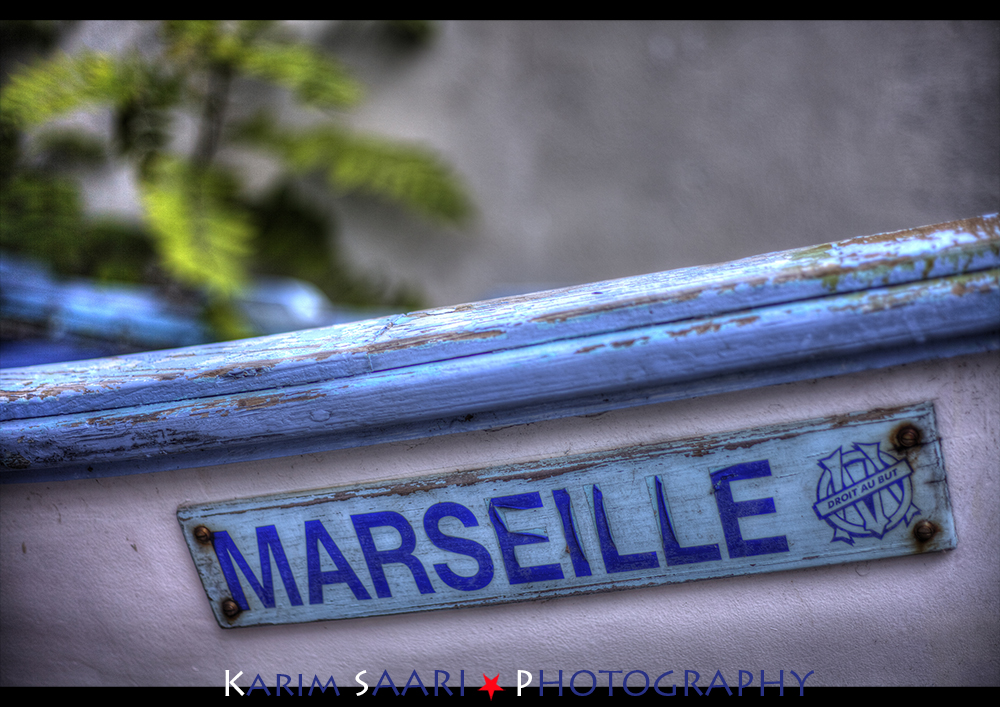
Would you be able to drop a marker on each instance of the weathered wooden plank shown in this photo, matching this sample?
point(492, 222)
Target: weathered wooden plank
point(841, 489)
point(164, 376)
point(575, 376)
point(853, 265)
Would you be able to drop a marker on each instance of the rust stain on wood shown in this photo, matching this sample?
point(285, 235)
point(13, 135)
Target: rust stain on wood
point(627, 342)
point(244, 369)
point(131, 418)
point(714, 325)
point(256, 402)
point(437, 338)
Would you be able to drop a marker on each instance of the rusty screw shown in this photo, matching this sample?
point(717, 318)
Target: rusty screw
point(924, 531)
point(230, 608)
point(203, 535)
point(907, 437)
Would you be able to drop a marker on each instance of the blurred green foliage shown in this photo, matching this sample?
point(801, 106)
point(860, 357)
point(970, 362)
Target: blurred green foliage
point(201, 232)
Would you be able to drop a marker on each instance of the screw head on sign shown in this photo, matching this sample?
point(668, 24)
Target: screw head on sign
point(202, 534)
point(909, 436)
point(924, 531)
point(230, 608)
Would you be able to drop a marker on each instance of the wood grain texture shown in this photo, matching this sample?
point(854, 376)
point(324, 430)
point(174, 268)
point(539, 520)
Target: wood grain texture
point(865, 302)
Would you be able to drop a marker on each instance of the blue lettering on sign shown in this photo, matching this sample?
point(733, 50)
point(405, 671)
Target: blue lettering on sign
point(462, 546)
point(581, 567)
point(614, 561)
point(508, 540)
point(721, 505)
point(375, 558)
point(316, 536)
point(267, 540)
point(677, 555)
point(731, 511)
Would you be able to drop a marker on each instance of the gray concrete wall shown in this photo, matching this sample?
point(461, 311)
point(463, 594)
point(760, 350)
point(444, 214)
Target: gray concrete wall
point(603, 149)
point(597, 150)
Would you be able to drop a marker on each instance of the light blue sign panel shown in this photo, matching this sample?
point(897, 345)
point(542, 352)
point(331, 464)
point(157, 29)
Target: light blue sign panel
point(842, 489)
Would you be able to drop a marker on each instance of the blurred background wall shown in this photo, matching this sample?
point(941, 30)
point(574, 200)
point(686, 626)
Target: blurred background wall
point(596, 150)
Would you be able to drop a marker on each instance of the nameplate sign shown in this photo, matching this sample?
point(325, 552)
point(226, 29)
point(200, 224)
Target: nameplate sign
point(841, 489)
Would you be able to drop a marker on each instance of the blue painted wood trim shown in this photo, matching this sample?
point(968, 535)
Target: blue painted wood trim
point(861, 303)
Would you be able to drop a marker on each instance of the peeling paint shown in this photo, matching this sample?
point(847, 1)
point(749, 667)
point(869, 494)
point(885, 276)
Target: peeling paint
point(931, 291)
point(417, 341)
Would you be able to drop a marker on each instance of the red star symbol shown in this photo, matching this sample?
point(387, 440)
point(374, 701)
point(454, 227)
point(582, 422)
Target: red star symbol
point(491, 685)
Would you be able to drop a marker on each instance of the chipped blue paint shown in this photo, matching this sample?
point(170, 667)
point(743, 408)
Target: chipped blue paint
point(783, 497)
point(861, 303)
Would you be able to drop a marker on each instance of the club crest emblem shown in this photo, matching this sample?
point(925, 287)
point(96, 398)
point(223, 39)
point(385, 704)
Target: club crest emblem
point(864, 492)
